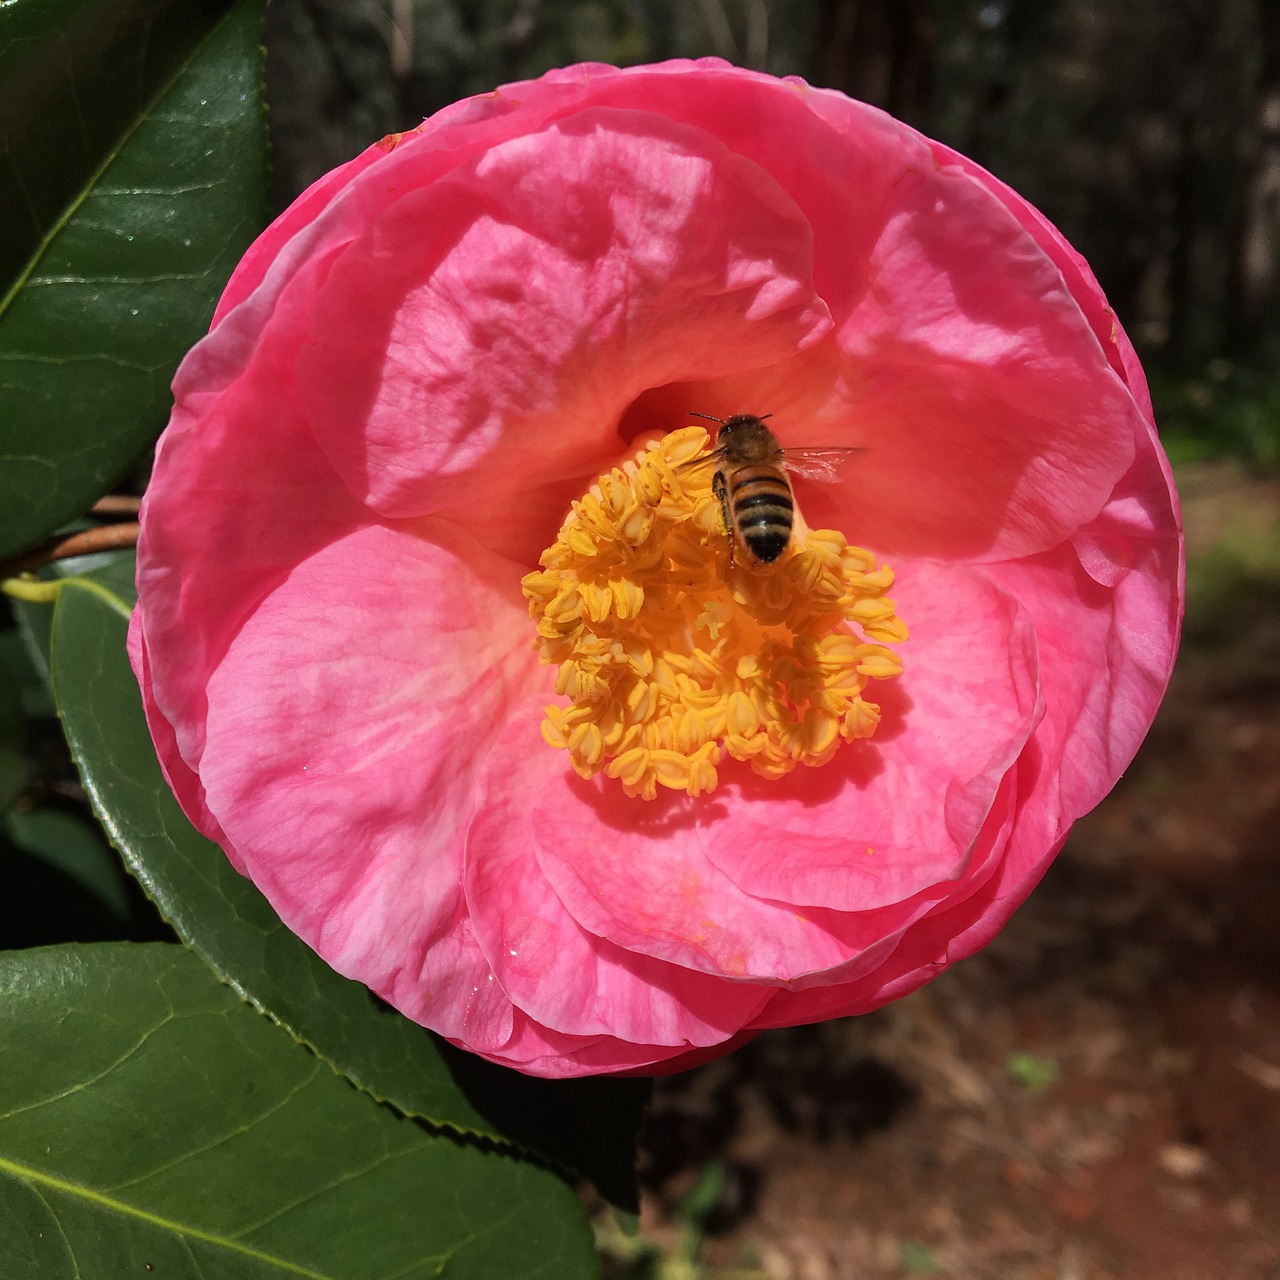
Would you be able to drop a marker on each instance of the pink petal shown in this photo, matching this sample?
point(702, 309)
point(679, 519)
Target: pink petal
point(538, 1051)
point(239, 494)
point(1108, 648)
point(557, 973)
point(912, 800)
point(530, 275)
point(342, 763)
point(961, 358)
point(953, 931)
point(695, 882)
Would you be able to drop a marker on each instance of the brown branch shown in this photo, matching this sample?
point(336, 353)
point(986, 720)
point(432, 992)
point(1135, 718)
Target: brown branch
point(107, 537)
point(116, 504)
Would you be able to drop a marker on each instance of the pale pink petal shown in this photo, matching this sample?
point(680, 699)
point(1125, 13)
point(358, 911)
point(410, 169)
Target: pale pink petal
point(558, 974)
point(961, 359)
point(421, 363)
point(747, 883)
point(238, 494)
point(489, 329)
point(342, 762)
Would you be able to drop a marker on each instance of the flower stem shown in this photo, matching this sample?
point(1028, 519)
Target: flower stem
point(107, 537)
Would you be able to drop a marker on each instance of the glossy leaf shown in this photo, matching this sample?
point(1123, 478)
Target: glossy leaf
point(35, 621)
point(152, 1122)
point(589, 1125)
point(132, 176)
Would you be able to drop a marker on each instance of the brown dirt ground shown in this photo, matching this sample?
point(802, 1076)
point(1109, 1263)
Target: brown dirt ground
point(1144, 971)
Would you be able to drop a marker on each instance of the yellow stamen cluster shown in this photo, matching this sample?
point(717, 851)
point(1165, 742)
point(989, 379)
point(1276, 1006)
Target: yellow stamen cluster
point(670, 658)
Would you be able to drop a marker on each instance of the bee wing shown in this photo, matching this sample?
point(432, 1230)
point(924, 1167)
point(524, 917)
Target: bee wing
point(821, 463)
point(694, 465)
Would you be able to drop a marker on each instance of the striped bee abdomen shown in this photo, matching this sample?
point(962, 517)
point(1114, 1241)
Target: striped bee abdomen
point(763, 510)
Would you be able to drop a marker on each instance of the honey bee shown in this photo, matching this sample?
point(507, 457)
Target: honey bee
point(751, 485)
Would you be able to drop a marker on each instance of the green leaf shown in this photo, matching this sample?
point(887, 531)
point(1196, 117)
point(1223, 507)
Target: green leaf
point(132, 176)
point(151, 1122)
point(589, 1125)
point(112, 570)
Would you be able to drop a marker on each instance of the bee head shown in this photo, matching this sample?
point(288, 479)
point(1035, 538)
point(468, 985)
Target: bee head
point(735, 422)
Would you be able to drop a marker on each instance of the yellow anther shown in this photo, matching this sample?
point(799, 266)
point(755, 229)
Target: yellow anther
point(586, 744)
point(878, 663)
point(671, 660)
point(860, 721)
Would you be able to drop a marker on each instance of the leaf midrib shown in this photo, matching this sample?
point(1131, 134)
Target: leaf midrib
point(37, 1177)
point(95, 177)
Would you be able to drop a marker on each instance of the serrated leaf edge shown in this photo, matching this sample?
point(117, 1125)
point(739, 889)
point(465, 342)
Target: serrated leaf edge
point(499, 1142)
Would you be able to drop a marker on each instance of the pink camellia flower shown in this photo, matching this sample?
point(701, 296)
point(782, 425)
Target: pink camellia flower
point(437, 628)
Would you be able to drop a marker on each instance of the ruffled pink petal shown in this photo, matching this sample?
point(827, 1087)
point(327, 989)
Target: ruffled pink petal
point(1075, 271)
point(239, 494)
point(489, 329)
point(953, 931)
point(183, 781)
point(922, 788)
point(949, 314)
point(692, 881)
point(561, 976)
point(538, 1051)
point(341, 759)
point(1094, 725)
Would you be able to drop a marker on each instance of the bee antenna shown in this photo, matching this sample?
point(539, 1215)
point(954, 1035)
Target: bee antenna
point(763, 416)
point(693, 413)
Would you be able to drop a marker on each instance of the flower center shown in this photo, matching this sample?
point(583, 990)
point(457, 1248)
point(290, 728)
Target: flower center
point(670, 656)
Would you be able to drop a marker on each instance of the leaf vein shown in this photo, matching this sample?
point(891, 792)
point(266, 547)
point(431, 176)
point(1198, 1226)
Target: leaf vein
point(182, 190)
point(57, 1222)
point(221, 1139)
point(316, 1192)
point(81, 1085)
point(32, 357)
point(147, 113)
point(36, 1176)
point(129, 280)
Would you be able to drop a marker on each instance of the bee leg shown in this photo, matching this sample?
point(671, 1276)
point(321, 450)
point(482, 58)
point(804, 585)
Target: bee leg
point(720, 487)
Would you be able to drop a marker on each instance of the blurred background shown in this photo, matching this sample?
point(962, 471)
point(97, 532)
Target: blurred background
point(1096, 1096)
